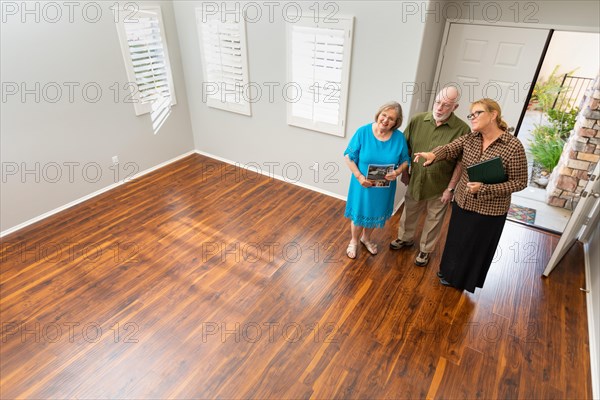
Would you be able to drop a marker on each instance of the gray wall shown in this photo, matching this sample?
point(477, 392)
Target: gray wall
point(393, 50)
point(45, 135)
point(434, 24)
point(385, 56)
point(396, 62)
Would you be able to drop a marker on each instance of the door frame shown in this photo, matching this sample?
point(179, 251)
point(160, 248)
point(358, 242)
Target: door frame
point(579, 224)
point(526, 25)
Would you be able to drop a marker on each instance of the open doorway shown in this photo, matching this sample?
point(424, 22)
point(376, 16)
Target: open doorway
point(500, 62)
point(561, 95)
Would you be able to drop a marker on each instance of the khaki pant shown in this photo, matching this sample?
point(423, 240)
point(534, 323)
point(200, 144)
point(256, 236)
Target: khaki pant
point(433, 221)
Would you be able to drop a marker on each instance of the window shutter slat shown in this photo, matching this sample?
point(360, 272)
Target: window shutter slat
point(318, 61)
point(144, 48)
point(148, 58)
point(224, 61)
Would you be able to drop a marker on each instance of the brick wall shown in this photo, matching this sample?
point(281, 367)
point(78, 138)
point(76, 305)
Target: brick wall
point(580, 154)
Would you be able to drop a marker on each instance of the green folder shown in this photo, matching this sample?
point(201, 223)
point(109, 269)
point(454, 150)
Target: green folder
point(489, 171)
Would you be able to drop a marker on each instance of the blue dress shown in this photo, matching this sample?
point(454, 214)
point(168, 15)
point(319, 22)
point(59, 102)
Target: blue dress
point(372, 207)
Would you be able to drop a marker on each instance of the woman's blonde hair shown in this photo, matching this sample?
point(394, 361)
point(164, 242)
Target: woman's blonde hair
point(491, 105)
point(392, 105)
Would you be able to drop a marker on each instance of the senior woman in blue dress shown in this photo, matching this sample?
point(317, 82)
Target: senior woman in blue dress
point(370, 206)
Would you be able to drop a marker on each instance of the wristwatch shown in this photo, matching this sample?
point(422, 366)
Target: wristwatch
point(451, 190)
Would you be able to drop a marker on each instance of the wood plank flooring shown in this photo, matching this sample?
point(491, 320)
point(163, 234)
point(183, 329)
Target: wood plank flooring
point(200, 281)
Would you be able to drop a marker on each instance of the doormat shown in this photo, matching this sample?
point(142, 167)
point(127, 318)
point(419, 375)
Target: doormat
point(522, 214)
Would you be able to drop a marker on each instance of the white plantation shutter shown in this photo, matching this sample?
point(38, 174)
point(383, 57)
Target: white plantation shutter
point(148, 58)
point(317, 57)
point(318, 67)
point(225, 65)
point(144, 48)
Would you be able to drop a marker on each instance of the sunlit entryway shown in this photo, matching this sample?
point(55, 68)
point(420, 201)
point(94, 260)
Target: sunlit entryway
point(559, 100)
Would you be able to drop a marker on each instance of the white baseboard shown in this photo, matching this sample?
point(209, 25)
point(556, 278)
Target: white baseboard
point(279, 177)
point(397, 206)
point(154, 168)
point(593, 335)
point(91, 195)
point(270, 175)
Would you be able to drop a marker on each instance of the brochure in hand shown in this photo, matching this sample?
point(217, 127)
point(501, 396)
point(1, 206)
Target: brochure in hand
point(377, 172)
point(489, 171)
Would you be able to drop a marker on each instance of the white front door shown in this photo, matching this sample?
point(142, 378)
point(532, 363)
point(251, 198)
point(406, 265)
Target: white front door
point(579, 224)
point(491, 61)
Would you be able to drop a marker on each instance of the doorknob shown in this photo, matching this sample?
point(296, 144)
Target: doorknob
point(592, 193)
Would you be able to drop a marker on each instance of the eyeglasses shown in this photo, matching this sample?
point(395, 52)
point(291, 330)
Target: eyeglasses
point(475, 114)
point(443, 105)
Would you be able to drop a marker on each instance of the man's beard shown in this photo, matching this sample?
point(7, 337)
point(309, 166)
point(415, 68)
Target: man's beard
point(443, 118)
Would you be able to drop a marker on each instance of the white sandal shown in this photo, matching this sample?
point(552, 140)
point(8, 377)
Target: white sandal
point(371, 247)
point(351, 250)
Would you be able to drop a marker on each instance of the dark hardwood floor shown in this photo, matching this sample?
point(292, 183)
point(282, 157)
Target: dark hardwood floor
point(198, 282)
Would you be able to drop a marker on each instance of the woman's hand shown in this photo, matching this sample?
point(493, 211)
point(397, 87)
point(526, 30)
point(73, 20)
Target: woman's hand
point(401, 170)
point(429, 157)
point(391, 176)
point(473, 187)
point(364, 182)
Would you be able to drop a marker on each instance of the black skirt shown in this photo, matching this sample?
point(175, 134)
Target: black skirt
point(470, 247)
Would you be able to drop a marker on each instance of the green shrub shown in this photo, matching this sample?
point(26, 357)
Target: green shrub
point(548, 92)
point(564, 121)
point(546, 146)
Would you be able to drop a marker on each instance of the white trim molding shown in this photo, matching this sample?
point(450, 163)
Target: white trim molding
point(271, 175)
point(91, 195)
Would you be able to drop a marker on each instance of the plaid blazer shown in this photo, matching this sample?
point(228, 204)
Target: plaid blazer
point(490, 199)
